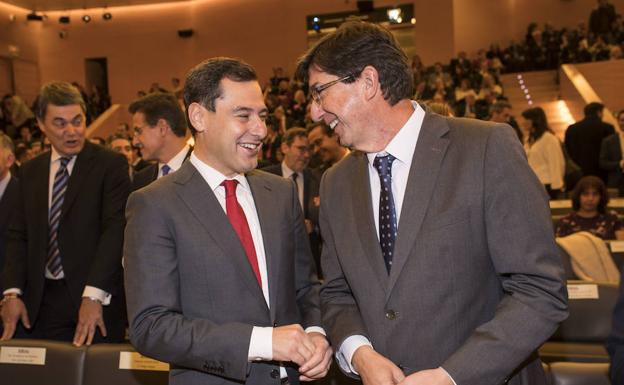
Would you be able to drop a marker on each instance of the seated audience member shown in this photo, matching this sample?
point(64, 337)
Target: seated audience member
point(589, 202)
point(326, 145)
point(122, 145)
point(500, 112)
point(439, 108)
point(470, 107)
point(16, 113)
point(611, 156)
point(543, 150)
point(8, 192)
point(62, 277)
point(160, 133)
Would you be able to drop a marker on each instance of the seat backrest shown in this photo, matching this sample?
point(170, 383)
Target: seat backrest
point(577, 373)
point(590, 318)
point(27, 362)
point(120, 364)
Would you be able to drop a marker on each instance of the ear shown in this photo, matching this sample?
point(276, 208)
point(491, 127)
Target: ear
point(41, 125)
point(284, 147)
point(196, 116)
point(163, 126)
point(370, 77)
point(10, 159)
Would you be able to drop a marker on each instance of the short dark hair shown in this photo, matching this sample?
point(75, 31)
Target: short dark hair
point(203, 82)
point(114, 137)
point(586, 183)
point(537, 116)
point(160, 105)
point(355, 45)
point(59, 94)
point(292, 133)
point(592, 109)
point(499, 106)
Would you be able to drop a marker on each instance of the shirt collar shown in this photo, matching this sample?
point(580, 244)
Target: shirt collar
point(213, 177)
point(54, 156)
point(403, 145)
point(287, 171)
point(176, 162)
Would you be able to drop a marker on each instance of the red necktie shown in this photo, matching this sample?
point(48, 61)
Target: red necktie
point(237, 218)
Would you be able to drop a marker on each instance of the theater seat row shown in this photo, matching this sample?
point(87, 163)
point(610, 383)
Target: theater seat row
point(27, 362)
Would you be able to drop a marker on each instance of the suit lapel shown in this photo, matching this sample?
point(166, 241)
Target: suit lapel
point(203, 203)
point(84, 163)
point(430, 150)
point(306, 192)
point(268, 217)
point(41, 181)
point(365, 221)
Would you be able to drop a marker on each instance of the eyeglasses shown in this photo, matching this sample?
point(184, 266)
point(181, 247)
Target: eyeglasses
point(315, 91)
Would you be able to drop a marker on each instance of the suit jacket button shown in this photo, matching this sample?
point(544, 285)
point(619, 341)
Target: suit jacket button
point(391, 314)
point(275, 373)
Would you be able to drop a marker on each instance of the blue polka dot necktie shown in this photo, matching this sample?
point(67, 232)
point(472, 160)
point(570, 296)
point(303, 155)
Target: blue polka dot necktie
point(165, 169)
point(387, 212)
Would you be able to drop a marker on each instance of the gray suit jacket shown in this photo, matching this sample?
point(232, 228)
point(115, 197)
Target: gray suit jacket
point(476, 283)
point(192, 295)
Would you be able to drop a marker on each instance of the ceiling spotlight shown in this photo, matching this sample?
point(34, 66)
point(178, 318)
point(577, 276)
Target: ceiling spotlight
point(86, 18)
point(107, 16)
point(64, 20)
point(33, 16)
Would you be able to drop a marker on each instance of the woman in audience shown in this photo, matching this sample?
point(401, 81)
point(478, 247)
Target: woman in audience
point(543, 150)
point(589, 202)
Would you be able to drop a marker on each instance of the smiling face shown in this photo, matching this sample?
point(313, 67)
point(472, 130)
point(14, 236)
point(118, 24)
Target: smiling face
point(339, 107)
point(64, 126)
point(230, 138)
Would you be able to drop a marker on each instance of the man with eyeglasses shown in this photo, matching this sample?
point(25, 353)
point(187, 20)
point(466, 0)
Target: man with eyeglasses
point(439, 260)
point(296, 150)
point(62, 274)
point(160, 133)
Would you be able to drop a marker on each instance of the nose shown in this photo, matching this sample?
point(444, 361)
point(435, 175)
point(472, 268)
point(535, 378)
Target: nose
point(316, 111)
point(259, 128)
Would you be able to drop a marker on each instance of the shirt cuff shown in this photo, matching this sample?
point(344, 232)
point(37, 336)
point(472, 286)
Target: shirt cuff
point(94, 292)
point(316, 329)
point(261, 344)
point(344, 355)
point(449, 376)
point(12, 290)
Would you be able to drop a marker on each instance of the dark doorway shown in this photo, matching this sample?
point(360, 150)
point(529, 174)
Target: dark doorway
point(96, 70)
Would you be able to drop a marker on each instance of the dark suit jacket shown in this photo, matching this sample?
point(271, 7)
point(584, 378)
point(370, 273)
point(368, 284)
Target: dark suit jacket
point(149, 173)
point(476, 284)
point(7, 206)
point(310, 190)
point(90, 229)
point(615, 342)
point(583, 140)
point(610, 158)
point(193, 298)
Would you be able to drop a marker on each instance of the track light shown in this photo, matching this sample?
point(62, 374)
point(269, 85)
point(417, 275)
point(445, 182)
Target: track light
point(86, 18)
point(64, 20)
point(33, 16)
point(107, 16)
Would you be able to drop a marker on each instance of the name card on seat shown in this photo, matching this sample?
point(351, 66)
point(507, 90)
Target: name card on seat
point(22, 355)
point(584, 291)
point(136, 361)
point(560, 204)
point(617, 246)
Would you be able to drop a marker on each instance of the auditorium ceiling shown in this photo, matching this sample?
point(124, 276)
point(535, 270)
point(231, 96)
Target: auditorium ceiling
point(63, 5)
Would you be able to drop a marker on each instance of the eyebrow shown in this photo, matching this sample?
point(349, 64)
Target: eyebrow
point(249, 110)
point(61, 118)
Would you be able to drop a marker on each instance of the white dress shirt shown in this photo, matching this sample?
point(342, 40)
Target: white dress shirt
point(174, 163)
point(545, 157)
point(4, 183)
point(261, 344)
point(402, 147)
point(287, 173)
point(89, 291)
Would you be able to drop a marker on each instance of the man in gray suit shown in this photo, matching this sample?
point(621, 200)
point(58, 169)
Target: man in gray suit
point(448, 271)
point(219, 275)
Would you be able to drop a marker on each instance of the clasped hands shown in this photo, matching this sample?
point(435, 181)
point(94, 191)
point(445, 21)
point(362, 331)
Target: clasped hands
point(311, 351)
point(375, 369)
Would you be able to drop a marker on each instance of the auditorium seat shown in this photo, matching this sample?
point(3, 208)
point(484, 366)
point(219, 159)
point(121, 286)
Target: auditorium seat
point(575, 373)
point(582, 336)
point(60, 363)
point(103, 361)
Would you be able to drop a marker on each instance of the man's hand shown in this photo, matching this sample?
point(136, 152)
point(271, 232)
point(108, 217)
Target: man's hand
point(12, 311)
point(309, 226)
point(375, 369)
point(89, 316)
point(428, 377)
point(292, 344)
point(317, 366)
